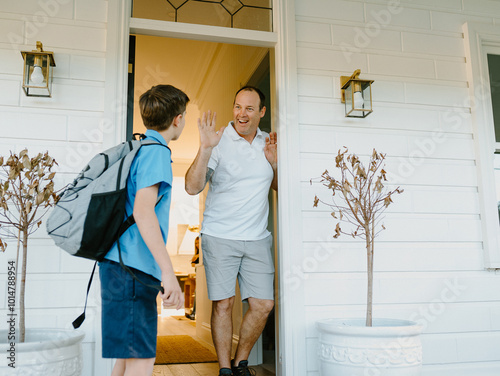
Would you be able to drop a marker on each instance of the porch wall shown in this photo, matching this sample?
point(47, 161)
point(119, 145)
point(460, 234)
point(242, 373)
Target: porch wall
point(429, 262)
point(69, 126)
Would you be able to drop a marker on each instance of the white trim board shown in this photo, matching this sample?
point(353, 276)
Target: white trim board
point(206, 33)
point(476, 38)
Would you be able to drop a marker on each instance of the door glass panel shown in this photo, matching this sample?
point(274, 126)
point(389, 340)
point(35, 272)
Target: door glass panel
point(153, 10)
point(241, 14)
point(494, 70)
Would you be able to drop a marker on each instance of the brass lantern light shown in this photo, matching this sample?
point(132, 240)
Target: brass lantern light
point(357, 95)
point(37, 76)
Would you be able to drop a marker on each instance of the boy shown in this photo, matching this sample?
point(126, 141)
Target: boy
point(129, 313)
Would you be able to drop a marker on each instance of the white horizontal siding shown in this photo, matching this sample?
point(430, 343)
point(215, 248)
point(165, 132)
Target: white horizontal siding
point(451, 5)
point(414, 171)
point(415, 199)
point(58, 8)
point(414, 18)
point(435, 144)
point(337, 10)
point(343, 256)
point(70, 126)
point(442, 21)
point(401, 288)
point(421, 119)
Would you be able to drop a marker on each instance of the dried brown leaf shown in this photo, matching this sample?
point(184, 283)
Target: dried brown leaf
point(316, 200)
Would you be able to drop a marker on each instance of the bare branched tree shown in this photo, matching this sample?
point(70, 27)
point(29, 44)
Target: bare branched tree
point(26, 191)
point(359, 197)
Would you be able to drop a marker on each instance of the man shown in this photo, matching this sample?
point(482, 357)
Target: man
point(240, 161)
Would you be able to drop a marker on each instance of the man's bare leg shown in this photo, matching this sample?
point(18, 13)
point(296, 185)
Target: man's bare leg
point(252, 326)
point(222, 330)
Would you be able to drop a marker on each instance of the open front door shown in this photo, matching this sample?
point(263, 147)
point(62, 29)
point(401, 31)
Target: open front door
point(210, 73)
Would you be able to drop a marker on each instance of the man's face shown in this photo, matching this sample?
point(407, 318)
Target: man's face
point(246, 113)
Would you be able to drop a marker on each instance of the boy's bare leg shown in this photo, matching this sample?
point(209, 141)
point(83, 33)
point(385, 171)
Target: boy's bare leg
point(119, 368)
point(252, 326)
point(139, 367)
point(133, 367)
point(222, 330)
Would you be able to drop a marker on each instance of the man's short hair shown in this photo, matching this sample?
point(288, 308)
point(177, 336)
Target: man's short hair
point(160, 105)
point(262, 97)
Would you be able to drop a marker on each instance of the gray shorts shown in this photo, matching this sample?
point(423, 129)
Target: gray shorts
point(249, 260)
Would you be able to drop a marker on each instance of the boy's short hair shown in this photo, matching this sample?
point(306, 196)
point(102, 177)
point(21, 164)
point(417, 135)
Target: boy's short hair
point(160, 105)
point(262, 97)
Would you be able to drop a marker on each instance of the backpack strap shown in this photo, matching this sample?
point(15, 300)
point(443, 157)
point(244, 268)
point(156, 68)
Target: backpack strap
point(129, 271)
point(124, 227)
point(80, 319)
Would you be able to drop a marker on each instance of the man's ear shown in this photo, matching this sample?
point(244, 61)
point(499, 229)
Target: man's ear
point(263, 112)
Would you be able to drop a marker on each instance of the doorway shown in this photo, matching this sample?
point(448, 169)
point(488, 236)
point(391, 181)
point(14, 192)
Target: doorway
point(210, 73)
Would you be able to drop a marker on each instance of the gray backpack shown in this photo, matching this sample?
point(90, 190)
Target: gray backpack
point(90, 214)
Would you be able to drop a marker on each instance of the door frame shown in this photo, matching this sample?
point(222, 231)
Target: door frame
point(282, 44)
point(477, 38)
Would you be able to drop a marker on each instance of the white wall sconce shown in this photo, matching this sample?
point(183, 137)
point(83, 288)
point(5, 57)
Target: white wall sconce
point(357, 95)
point(38, 72)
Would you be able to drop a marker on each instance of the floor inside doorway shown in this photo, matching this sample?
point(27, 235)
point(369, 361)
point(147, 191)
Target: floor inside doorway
point(182, 326)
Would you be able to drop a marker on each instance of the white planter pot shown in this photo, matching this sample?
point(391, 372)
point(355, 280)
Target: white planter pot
point(389, 348)
point(54, 352)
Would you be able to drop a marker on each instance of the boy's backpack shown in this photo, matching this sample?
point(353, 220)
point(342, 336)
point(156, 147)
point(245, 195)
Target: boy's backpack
point(90, 214)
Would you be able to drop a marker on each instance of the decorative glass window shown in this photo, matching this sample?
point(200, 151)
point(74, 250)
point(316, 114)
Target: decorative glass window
point(240, 14)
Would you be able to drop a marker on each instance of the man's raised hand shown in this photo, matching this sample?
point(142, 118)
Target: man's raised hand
point(209, 138)
point(271, 149)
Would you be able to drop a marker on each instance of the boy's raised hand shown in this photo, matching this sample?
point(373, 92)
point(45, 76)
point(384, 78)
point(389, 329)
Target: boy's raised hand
point(209, 138)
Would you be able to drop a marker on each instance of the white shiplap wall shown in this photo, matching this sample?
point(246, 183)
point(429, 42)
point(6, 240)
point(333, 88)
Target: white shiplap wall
point(433, 243)
point(67, 125)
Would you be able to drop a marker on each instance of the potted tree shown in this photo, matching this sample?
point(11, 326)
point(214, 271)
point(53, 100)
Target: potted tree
point(26, 192)
point(361, 347)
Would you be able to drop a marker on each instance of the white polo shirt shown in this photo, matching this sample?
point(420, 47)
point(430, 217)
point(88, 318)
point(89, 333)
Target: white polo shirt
point(237, 203)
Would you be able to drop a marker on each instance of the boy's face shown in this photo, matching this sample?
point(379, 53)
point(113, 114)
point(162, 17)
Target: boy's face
point(246, 113)
point(180, 123)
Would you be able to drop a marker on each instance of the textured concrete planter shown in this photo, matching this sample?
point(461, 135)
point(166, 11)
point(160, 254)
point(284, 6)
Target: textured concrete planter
point(389, 348)
point(54, 352)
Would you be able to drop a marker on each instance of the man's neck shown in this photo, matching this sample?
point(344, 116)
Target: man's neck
point(249, 138)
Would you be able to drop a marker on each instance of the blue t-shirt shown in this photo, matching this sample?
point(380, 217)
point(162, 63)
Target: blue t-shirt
point(151, 166)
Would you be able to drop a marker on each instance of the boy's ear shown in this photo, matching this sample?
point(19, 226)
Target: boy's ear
point(177, 120)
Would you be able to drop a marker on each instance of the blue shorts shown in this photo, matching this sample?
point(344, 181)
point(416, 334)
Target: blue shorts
point(129, 313)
